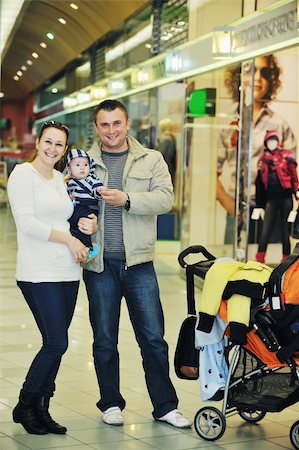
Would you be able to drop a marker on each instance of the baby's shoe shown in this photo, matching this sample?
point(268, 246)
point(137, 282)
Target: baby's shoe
point(93, 253)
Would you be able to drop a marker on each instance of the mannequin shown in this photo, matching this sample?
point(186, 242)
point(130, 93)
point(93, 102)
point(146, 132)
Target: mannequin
point(276, 183)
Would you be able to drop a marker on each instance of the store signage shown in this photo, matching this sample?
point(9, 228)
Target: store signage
point(140, 76)
point(173, 62)
point(279, 23)
point(159, 69)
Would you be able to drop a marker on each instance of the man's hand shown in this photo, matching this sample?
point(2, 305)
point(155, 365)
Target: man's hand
point(88, 225)
point(114, 197)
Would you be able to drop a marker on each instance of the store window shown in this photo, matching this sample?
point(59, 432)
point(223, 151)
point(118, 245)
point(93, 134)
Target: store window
point(51, 94)
point(272, 85)
point(222, 148)
point(130, 44)
point(157, 118)
point(210, 111)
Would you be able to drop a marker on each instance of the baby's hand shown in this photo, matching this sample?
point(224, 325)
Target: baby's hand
point(99, 189)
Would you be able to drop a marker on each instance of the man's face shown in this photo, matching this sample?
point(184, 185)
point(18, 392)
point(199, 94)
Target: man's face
point(261, 78)
point(112, 128)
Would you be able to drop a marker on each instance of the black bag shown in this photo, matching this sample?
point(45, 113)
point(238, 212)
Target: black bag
point(186, 358)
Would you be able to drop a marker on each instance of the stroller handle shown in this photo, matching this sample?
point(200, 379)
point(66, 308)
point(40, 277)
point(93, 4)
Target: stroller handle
point(194, 249)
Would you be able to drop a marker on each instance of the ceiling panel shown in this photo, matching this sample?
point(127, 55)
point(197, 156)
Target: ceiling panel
point(89, 22)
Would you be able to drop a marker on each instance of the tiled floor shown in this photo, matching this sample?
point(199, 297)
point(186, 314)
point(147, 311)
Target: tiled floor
point(77, 390)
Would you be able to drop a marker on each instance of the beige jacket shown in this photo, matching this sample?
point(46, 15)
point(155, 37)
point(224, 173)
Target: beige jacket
point(148, 184)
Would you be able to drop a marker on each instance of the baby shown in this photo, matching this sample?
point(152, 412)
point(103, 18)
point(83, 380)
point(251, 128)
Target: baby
point(84, 189)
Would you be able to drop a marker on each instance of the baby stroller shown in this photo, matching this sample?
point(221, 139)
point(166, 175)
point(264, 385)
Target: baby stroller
point(262, 362)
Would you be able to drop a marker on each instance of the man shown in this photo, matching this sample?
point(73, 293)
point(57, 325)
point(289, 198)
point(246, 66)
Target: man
point(137, 188)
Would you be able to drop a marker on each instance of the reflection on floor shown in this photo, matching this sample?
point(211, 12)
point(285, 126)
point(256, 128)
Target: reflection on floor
point(77, 392)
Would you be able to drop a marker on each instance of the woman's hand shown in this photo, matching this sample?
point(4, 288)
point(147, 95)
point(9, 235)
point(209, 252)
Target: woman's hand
point(88, 225)
point(79, 250)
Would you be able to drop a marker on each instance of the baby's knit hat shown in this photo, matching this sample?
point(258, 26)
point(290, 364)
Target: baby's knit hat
point(78, 153)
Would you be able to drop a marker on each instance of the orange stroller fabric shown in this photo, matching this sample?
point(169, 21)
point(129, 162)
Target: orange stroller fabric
point(258, 348)
point(290, 286)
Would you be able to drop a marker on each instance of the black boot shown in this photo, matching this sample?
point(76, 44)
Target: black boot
point(42, 412)
point(24, 413)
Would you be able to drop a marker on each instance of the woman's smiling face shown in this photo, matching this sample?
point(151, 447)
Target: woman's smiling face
point(261, 78)
point(51, 146)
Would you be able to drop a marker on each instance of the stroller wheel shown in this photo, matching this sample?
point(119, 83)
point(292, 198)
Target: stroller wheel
point(209, 423)
point(294, 434)
point(251, 415)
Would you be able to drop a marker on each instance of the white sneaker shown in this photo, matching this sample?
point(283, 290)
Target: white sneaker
point(175, 419)
point(113, 416)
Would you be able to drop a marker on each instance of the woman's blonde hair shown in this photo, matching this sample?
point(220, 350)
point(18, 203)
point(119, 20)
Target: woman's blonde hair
point(166, 126)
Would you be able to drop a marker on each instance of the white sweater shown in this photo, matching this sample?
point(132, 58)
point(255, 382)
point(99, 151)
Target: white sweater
point(38, 205)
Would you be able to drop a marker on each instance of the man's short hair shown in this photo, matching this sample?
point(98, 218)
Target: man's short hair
point(110, 105)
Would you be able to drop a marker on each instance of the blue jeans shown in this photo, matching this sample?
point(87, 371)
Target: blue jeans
point(52, 305)
point(138, 285)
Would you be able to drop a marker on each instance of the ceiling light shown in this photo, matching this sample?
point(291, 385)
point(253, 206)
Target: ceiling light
point(83, 97)
point(16, 78)
point(68, 102)
point(222, 42)
point(19, 73)
point(99, 92)
point(84, 68)
point(43, 45)
point(148, 45)
point(1, 94)
point(24, 68)
point(50, 36)
point(35, 55)
point(54, 90)
point(72, 5)
point(29, 62)
point(61, 20)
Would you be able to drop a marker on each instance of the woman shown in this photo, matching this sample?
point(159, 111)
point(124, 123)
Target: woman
point(48, 269)
point(167, 145)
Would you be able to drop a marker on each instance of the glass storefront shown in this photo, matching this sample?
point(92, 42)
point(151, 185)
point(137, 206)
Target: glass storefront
point(218, 119)
point(222, 149)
